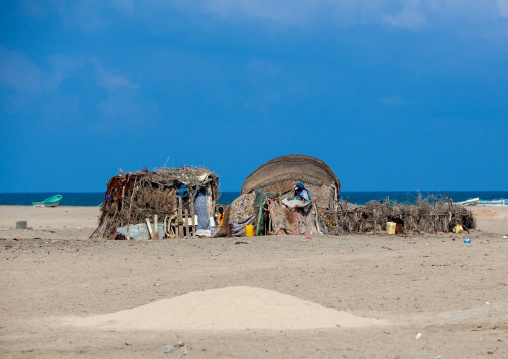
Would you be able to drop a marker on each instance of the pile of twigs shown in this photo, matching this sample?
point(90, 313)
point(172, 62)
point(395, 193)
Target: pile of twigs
point(428, 215)
point(191, 176)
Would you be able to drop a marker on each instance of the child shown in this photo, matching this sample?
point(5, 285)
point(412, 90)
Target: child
point(221, 216)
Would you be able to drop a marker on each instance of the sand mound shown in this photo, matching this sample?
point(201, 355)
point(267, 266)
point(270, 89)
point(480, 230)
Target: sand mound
point(228, 308)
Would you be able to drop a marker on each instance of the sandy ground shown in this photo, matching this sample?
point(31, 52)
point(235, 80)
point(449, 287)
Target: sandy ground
point(454, 294)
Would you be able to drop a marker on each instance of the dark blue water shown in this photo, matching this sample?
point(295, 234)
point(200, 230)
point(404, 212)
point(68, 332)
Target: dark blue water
point(410, 197)
point(95, 199)
point(68, 199)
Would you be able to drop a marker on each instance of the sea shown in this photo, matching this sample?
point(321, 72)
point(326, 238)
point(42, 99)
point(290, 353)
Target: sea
point(95, 199)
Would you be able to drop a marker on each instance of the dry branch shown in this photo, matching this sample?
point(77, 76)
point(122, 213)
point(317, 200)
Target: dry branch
point(428, 215)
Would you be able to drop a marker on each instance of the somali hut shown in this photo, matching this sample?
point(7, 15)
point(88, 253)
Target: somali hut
point(266, 200)
point(179, 201)
point(280, 175)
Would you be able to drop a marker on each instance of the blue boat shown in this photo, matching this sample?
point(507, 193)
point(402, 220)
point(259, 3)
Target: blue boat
point(52, 201)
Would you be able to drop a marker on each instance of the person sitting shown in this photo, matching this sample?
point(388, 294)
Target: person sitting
point(301, 193)
point(221, 216)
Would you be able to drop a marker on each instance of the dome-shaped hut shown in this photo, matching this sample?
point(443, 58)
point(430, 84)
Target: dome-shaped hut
point(281, 174)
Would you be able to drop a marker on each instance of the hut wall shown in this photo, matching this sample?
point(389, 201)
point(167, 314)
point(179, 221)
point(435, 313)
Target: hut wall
point(324, 195)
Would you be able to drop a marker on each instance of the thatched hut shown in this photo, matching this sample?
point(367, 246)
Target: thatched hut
point(266, 201)
point(280, 175)
point(180, 200)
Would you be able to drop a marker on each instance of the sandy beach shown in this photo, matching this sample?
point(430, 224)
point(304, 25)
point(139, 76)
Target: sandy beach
point(391, 296)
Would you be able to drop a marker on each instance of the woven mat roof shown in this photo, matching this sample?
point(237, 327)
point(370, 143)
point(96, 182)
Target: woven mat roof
point(301, 168)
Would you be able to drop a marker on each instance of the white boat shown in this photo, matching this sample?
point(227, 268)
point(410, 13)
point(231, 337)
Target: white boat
point(493, 202)
point(469, 202)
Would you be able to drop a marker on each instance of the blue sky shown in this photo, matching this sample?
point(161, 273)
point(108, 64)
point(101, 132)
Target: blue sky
point(392, 94)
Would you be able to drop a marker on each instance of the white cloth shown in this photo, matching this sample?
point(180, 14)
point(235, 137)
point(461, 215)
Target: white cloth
point(291, 203)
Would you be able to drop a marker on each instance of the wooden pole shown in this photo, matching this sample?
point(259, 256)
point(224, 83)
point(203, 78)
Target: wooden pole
point(165, 226)
point(180, 226)
point(449, 200)
point(186, 225)
point(270, 223)
point(149, 228)
point(357, 226)
point(337, 220)
point(172, 233)
point(193, 222)
point(375, 224)
point(130, 206)
point(156, 225)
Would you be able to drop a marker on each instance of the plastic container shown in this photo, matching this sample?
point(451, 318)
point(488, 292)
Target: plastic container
point(390, 227)
point(249, 230)
point(213, 229)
